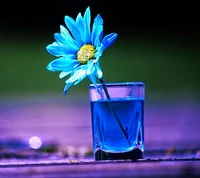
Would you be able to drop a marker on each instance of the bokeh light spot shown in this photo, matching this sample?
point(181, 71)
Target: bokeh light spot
point(35, 142)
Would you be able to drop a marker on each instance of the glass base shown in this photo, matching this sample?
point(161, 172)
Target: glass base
point(132, 155)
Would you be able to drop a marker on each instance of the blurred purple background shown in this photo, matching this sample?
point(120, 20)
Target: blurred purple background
point(158, 44)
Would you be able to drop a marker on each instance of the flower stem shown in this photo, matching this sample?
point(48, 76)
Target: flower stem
point(113, 110)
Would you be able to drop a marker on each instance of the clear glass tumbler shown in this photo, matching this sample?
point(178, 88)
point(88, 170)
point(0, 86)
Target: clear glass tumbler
point(117, 114)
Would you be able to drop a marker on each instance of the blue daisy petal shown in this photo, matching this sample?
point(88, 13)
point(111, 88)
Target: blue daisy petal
point(67, 87)
point(99, 36)
point(108, 40)
point(65, 33)
point(81, 26)
point(82, 74)
point(87, 19)
point(64, 74)
point(90, 68)
point(98, 22)
point(62, 64)
point(58, 49)
point(60, 39)
point(98, 71)
point(98, 54)
point(93, 80)
point(72, 26)
point(78, 75)
point(82, 29)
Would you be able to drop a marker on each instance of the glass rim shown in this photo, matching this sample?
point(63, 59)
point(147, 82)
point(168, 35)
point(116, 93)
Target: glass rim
point(118, 84)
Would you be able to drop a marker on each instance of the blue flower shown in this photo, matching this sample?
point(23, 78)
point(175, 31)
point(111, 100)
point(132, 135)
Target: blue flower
point(79, 48)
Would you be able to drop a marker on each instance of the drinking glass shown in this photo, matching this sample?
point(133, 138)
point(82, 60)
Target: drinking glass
point(117, 115)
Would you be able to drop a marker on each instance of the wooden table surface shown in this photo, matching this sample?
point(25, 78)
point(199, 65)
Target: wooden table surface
point(148, 167)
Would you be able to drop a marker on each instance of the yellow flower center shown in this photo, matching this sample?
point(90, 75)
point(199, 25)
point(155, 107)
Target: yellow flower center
point(85, 53)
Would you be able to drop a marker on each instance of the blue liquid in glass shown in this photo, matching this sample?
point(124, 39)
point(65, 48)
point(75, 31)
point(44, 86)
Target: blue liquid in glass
point(108, 138)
